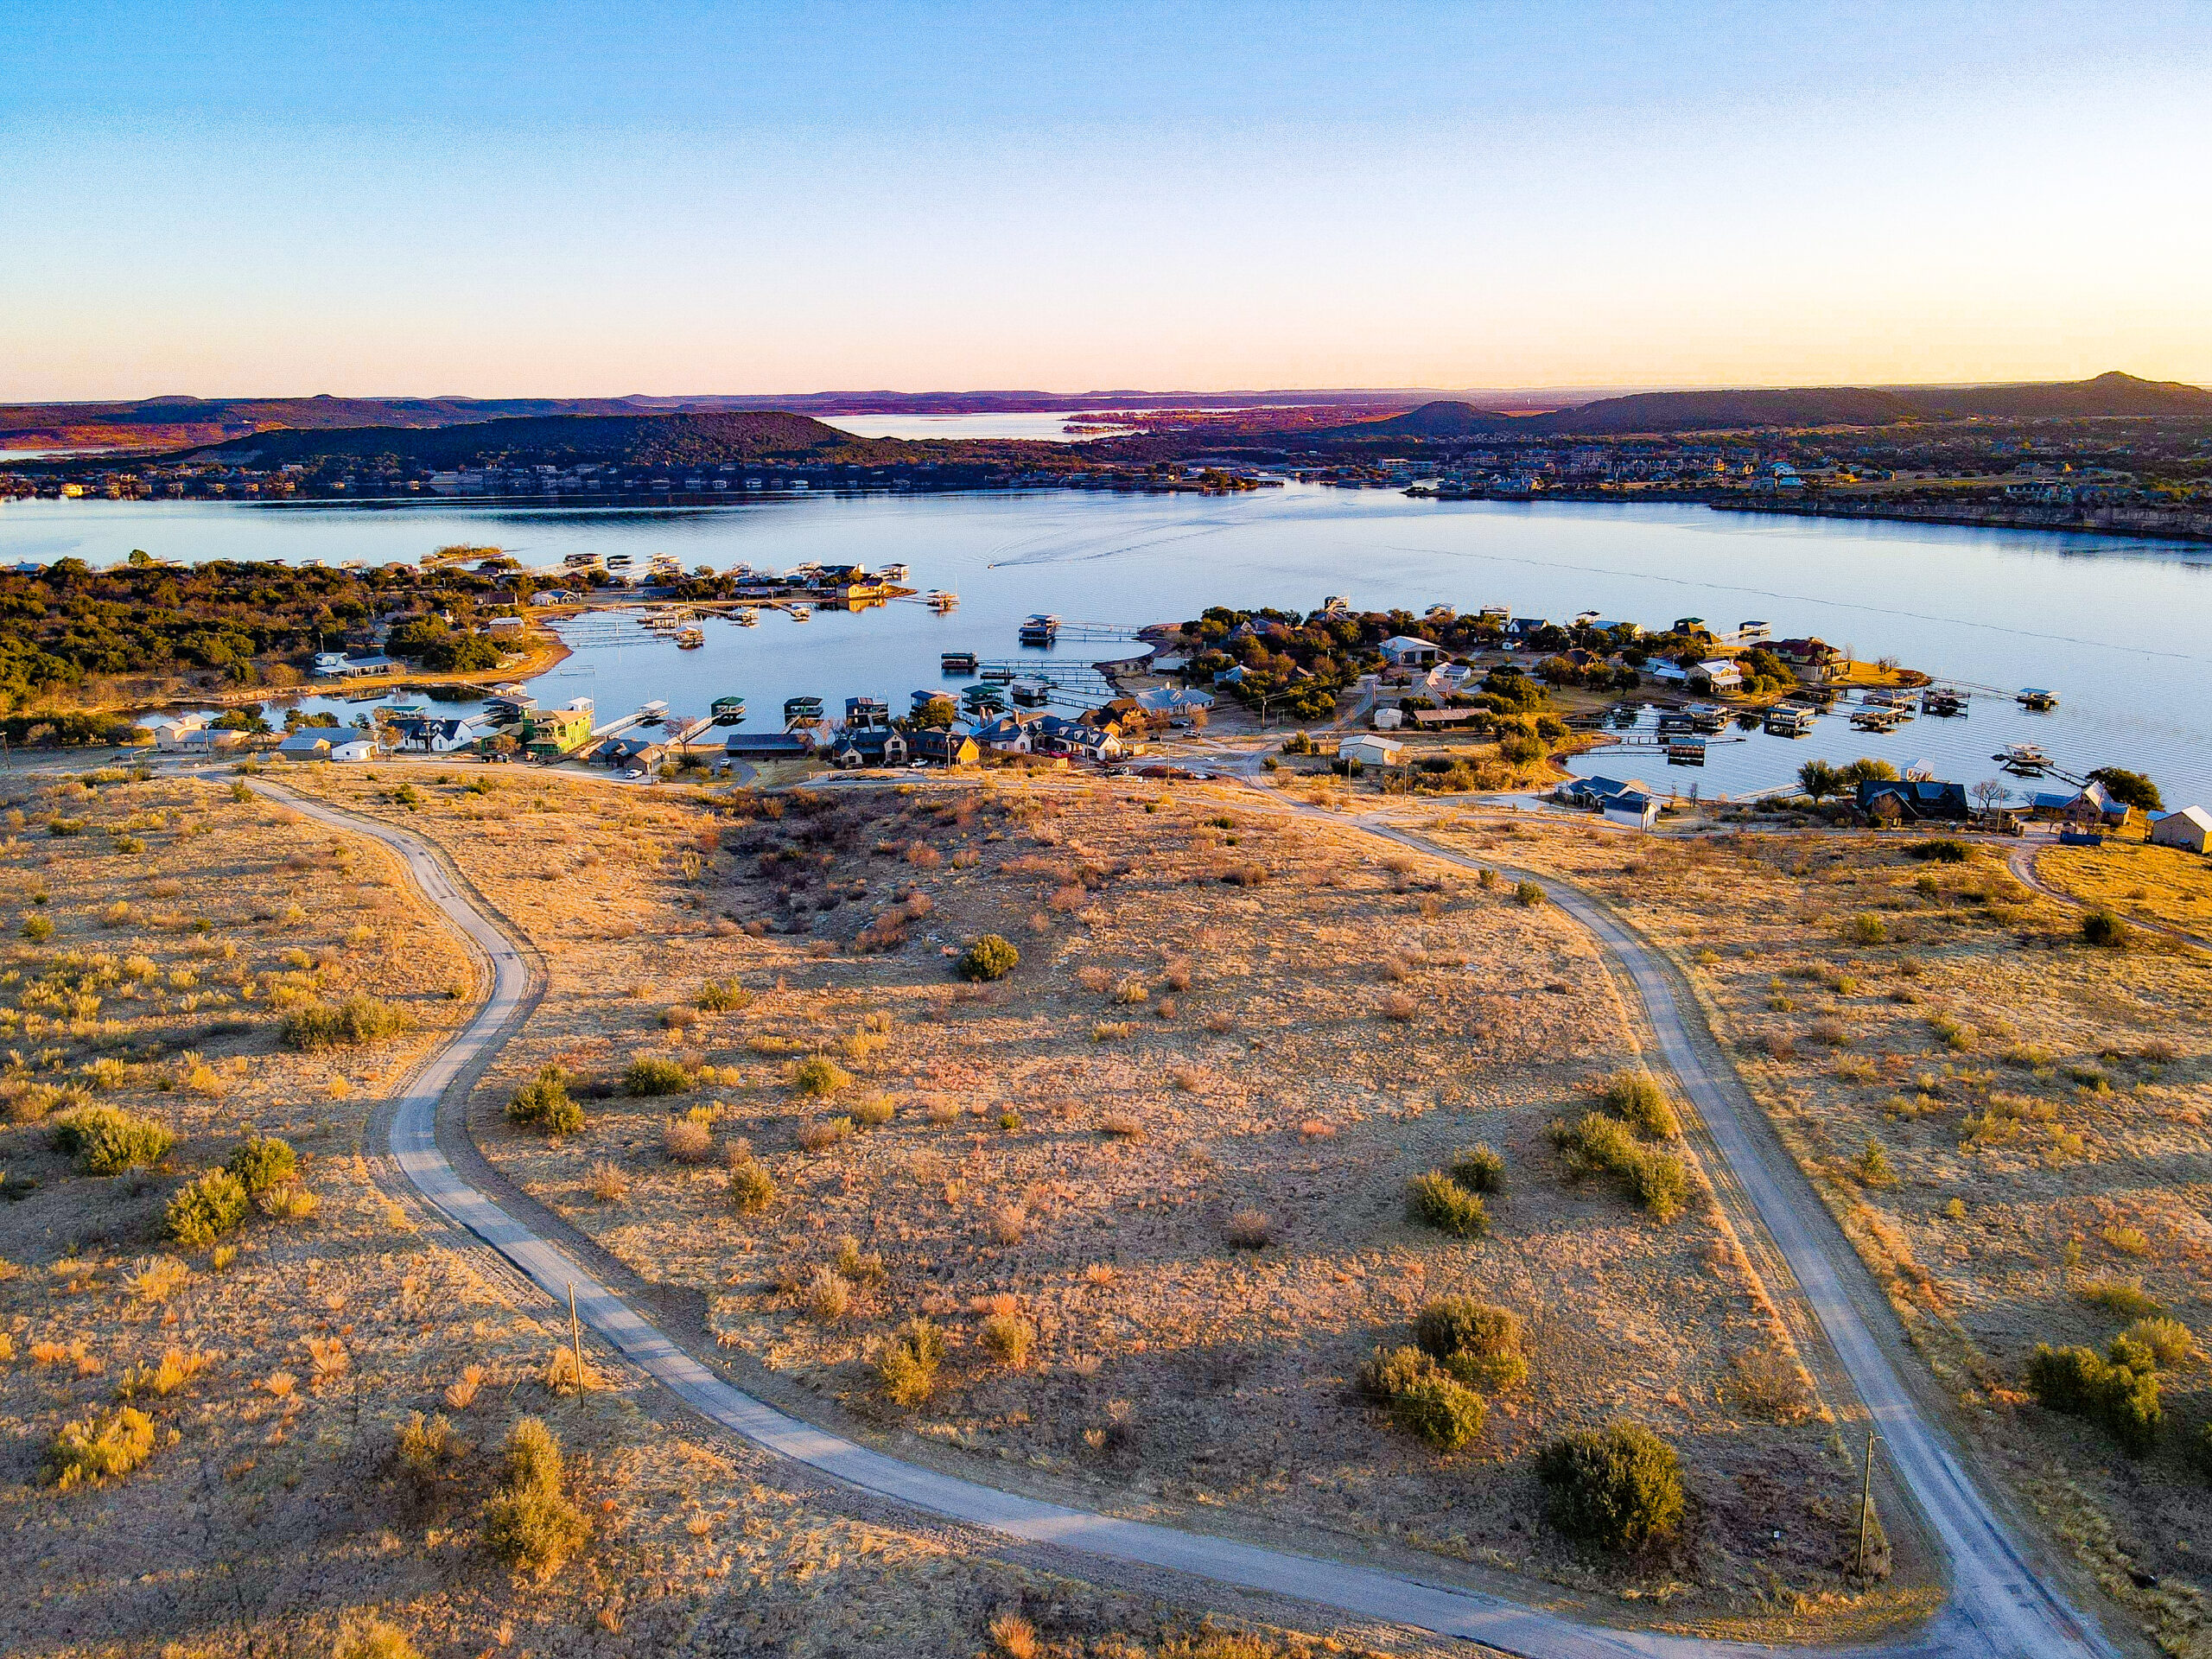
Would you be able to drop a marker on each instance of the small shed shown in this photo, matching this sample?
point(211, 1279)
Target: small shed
point(1370, 751)
point(308, 743)
point(2190, 829)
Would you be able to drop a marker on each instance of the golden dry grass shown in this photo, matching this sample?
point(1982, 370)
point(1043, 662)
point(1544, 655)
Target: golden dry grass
point(2137, 880)
point(1041, 1135)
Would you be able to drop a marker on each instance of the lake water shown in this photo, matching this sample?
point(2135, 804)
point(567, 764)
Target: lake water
point(2122, 630)
point(1048, 426)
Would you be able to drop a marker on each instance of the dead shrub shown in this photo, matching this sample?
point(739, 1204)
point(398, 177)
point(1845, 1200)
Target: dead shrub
point(687, 1140)
point(1007, 1223)
point(1771, 1383)
point(1120, 1126)
point(607, 1183)
point(827, 1297)
point(1397, 1005)
point(1249, 1230)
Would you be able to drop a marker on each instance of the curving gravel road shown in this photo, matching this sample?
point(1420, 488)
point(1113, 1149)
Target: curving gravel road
point(1998, 1607)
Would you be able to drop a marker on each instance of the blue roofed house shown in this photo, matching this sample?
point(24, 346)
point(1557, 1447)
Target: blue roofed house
point(1910, 800)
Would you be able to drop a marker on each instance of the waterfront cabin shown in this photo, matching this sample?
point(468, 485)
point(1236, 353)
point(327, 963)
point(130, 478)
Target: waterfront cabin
point(1912, 801)
point(2190, 829)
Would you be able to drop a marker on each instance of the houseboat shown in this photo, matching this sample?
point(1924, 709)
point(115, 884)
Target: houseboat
point(727, 711)
point(619, 565)
point(1704, 717)
point(802, 708)
point(959, 662)
point(1786, 720)
point(1030, 694)
point(2036, 698)
point(801, 613)
point(983, 699)
point(690, 638)
point(1879, 719)
point(1040, 629)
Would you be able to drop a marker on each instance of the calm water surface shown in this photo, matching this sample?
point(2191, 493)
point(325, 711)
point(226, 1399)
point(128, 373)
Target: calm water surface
point(2122, 630)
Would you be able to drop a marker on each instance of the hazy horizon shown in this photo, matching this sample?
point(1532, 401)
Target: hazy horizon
point(541, 200)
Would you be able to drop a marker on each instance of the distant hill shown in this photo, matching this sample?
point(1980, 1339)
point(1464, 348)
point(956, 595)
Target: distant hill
point(2107, 396)
point(1441, 419)
point(639, 439)
point(174, 420)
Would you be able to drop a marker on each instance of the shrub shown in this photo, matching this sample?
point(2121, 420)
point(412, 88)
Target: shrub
point(988, 958)
point(651, 1075)
point(1478, 1344)
point(530, 1524)
point(375, 1640)
point(1009, 1338)
point(1873, 1165)
point(906, 1367)
point(1436, 1200)
point(2201, 1450)
point(827, 1296)
point(1527, 893)
point(202, 1211)
point(357, 1019)
point(1637, 1097)
point(872, 1111)
point(1479, 1169)
point(821, 1135)
point(1866, 928)
point(687, 1140)
point(817, 1075)
point(1943, 849)
point(425, 1445)
point(2101, 927)
point(2125, 1297)
point(163, 1377)
point(37, 929)
point(2121, 1399)
point(1249, 1230)
point(1438, 1409)
point(1388, 1372)
point(2168, 1342)
point(106, 1140)
point(723, 996)
point(1657, 1180)
point(543, 1103)
point(105, 1446)
point(261, 1163)
point(1620, 1486)
point(752, 1188)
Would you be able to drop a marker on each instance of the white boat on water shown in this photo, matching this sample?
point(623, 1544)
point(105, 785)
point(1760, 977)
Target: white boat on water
point(801, 613)
point(745, 617)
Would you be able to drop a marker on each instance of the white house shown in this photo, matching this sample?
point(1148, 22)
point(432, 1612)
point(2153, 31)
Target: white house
point(1723, 673)
point(1638, 812)
point(2190, 829)
point(1389, 720)
point(504, 625)
point(1370, 751)
point(1174, 700)
point(353, 748)
point(169, 734)
point(1403, 650)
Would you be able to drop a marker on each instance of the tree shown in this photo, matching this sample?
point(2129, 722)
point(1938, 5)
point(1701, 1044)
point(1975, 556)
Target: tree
point(2128, 788)
point(1990, 792)
point(1819, 780)
point(1866, 770)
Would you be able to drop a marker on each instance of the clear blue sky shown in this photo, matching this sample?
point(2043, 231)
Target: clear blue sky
point(235, 198)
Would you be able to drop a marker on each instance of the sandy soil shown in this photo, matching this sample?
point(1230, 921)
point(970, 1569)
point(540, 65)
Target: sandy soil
point(1174, 1049)
point(272, 1517)
point(2042, 1109)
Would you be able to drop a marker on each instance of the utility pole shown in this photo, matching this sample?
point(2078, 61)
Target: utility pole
point(576, 1347)
point(1866, 1499)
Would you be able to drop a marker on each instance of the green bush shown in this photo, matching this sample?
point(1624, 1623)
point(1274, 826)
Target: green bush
point(1866, 928)
point(1942, 849)
point(1438, 1409)
point(723, 996)
point(2123, 1400)
point(105, 1446)
point(752, 1188)
point(1527, 893)
point(906, 1367)
point(1479, 1169)
point(2169, 1341)
point(530, 1524)
point(37, 929)
point(543, 1103)
point(650, 1075)
point(1436, 1200)
point(1388, 1372)
point(1620, 1486)
point(1478, 1344)
point(202, 1211)
point(106, 1140)
point(1657, 1180)
point(355, 1020)
point(1639, 1099)
point(818, 1075)
point(988, 958)
point(2101, 927)
point(261, 1163)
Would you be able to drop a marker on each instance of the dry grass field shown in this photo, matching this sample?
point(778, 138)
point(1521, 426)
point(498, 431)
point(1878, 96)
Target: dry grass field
point(2136, 880)
point(159, 934)
point(2010, 1123)
point(1149, 1189)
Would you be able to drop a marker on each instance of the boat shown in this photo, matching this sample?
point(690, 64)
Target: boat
point(1042, 629)
point(2036, 697)
point(1030, 694)
point(958, 662)
point(745, 617)
point(691, 639)
point(2028, 759)
point(1946, 703)
point(1685, 751)
point(938, 599)
point(801, 613)
point(1880, 719)
point(727, 711)
point(808, 708)
point(894, 573)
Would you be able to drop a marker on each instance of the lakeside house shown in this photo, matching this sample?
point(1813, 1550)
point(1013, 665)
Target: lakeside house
point(2190, 829)
point(2091, 807)
point(308, 743)
point(869, 746)
point(943, 749)
point(1910, 800)
point(336, 664)
point(1720, 673)
point(1403, 650)
point(436, 735)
